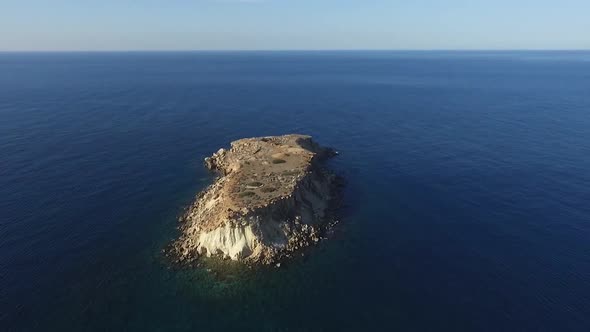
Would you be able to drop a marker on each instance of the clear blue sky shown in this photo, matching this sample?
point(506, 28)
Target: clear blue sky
point(293, 24)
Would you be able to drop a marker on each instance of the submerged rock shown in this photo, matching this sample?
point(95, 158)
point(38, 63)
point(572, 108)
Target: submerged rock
point(272, 197)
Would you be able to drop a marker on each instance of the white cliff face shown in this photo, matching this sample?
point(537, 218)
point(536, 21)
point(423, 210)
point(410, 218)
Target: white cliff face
point(271, 198)
point(233, 242)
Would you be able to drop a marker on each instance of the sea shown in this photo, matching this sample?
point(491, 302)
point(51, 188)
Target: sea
point(466, 205)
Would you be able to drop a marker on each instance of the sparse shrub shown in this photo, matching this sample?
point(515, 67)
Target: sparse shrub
point(278, 161)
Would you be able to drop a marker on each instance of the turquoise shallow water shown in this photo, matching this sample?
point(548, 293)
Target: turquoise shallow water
point(465, 209)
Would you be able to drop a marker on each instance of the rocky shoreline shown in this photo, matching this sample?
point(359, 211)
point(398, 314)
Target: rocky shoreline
point(272, 197)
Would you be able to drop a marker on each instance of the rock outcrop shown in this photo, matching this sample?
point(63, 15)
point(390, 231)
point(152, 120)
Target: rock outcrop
point(272, 197)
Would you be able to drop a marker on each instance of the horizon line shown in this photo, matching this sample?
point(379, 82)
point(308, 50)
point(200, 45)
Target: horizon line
point(303, 50)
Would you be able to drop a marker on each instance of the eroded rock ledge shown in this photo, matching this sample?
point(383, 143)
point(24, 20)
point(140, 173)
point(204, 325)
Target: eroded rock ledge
point(271, 198)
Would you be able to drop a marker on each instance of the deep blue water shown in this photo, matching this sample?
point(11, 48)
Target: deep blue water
point(467, 204)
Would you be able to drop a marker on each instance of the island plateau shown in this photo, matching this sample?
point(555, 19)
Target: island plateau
point(272, 196)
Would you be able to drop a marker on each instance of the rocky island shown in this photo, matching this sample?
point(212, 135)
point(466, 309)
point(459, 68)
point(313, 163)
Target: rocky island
point(272, 196)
